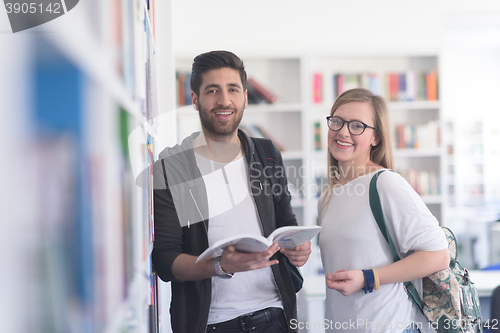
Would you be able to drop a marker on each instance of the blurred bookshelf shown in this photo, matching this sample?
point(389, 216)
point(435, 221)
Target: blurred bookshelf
point(409, 84)
point(80, 85)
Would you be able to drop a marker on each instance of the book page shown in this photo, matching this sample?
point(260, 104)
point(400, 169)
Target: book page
point(291, 237)
point(286, 237)
point(243, 243)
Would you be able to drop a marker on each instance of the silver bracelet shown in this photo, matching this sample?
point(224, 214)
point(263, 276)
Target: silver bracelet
point(219, 271)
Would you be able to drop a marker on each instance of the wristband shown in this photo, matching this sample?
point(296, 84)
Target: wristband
point(369, 280)
point(219, 271)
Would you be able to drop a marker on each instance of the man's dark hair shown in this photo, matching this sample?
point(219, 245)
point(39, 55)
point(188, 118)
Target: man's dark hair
point(215, 60)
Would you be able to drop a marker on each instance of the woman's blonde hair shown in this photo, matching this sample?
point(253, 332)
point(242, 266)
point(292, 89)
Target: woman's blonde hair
point(380, 154)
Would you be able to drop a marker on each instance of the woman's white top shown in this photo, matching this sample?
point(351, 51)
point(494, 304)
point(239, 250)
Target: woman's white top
point(351, 239)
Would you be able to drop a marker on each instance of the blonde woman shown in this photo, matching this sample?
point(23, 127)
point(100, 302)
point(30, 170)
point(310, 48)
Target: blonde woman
point(353, 249)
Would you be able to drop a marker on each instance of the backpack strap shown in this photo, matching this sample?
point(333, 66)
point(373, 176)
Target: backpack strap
point(376, 208)
point(265, 151)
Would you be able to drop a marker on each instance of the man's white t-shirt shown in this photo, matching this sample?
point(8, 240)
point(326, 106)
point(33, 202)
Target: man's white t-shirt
point(232, 211)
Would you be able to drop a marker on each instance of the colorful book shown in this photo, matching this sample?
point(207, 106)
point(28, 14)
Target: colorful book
point(432, 86)
point(317, 88)
point(181, 77)
point(401, 94)
point(317, 135)
point(261, 90)
point(351, 82)
point(411, 86)
point(393, 86)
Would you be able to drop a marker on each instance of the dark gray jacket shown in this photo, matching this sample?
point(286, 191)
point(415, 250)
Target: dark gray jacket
point(182, 199)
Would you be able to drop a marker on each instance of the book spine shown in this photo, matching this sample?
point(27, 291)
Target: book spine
point(432, 86)
point(334, 86)
point(180, 89)
point(317, 88)
point(317, 136)
point(393, 86)
point(401, 87)
point(340, 84)
point(396, 87)
point(268, 95)
point(411, 86)
point(422, 91)
point(374, 84)
point(187, 89)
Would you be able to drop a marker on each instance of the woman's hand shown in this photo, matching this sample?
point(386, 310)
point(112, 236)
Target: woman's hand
point(346, 282)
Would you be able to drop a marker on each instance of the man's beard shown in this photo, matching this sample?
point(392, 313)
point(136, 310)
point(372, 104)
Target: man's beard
point(212, 128)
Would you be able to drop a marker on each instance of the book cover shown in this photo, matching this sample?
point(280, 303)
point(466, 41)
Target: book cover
point(377, 84)
point(261, 90)
point(411, 86)
point(181, 77)
point(253, 96)
point(351, 81)
point(317, 136)
point(422, 86)
point(364, 81)
point(432, 86)
point(402, 87)
point(334, 86)
point(400, 137)
point(317, 88)
point(393, 86)
point(187, 89)
point(340, 78)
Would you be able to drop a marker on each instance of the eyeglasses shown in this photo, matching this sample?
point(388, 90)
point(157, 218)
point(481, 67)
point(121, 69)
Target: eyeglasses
point(355, 127)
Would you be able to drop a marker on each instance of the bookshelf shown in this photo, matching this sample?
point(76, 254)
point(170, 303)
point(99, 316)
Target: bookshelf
point(470, 136)
point(80, 85)
point(414, 111)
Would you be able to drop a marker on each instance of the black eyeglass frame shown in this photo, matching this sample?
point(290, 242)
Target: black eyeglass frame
point(365, 126)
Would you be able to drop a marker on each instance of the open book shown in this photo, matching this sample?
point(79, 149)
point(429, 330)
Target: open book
point(286, 237)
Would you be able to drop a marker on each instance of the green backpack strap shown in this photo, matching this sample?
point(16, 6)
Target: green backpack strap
point(376, 208)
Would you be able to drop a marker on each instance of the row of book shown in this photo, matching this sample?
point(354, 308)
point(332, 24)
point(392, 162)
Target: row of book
point(256, 91)
point(257, 131)
point(423, 182)
point(422, 136)
point(403, 86)
point(258, 94)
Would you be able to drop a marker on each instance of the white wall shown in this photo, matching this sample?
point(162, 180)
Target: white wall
point(295, 27)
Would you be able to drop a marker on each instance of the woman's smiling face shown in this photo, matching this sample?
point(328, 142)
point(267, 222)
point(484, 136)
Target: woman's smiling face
point(348, 149)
